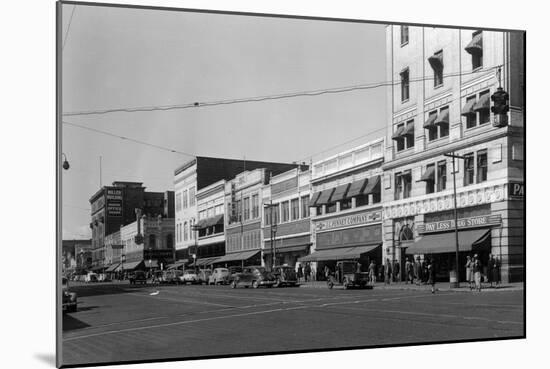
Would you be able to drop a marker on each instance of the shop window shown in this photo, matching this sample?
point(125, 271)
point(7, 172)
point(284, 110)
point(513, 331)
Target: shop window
point(295, 209)
point(441, 177)
point(404, 85)
point(345, 204)
point(481, 166)
point(404, 35)
point(305, 206)
point(468, 169)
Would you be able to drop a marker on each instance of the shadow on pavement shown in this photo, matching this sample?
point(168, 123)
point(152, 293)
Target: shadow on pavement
point(71, 323)
point(96, 289)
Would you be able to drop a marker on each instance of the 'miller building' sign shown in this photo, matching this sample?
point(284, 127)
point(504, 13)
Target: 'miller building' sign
point(449, 225)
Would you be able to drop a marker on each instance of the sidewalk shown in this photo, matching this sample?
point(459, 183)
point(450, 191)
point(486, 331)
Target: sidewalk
point(442, 286)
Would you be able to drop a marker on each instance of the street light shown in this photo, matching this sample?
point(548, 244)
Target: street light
point(273, 229)
point(453, 155)
point(65, 162)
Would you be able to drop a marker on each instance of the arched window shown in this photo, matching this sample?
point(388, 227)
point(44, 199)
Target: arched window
point(169, 241)
point(152, 240)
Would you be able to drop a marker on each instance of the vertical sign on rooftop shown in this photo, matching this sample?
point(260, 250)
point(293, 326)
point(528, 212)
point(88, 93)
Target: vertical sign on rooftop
point(114, 202)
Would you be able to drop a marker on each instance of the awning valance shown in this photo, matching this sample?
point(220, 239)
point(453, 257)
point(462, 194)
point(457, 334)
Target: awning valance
point(243, 255)
point(340, 192)
point(468, 107)
point(476, 45)
point(430, 122)
point(429, 174)
point(398, 133)
point(409, 130)
point(483, 103)
point(341, 253)
point(314, 198)
point(439, 243)
point(373, 185)
point(325, 196)
point(442, 117)
point(206, 261)
point(111, 268)
point(356, 188)
point(436, 61)
point(132, 265)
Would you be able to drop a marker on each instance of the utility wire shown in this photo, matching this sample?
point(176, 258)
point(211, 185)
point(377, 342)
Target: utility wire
point(310, 93)
point(68, 28)
point(129, 139)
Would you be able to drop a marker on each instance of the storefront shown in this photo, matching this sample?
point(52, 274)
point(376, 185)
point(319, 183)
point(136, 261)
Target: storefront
point(287, 250)
point(243, 258)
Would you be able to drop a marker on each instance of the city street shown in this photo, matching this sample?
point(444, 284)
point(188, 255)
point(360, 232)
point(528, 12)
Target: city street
point(119, 322)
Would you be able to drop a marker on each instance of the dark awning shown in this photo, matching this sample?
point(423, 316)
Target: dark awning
point(200, 224)
point(430, 122)
point(398, 133)
point(132, 265)
point(340, 192)
point(442, 117)
point(278, 250)
point(476, 45)
point(111, 268)
point(206, 261)
point(325, 197)
point(177, 264)
point(373, 186)
point(429, 174)
point(243, 255)
point(342, 253)
point(209, 222)
point(468, 107)
point(356, 188)
point(439, 243)
point(483, 103)
point(436, 61)
point(409, 130)
point(314, 198)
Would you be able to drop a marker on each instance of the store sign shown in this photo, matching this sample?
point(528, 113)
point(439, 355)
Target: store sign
point(449, 225)
point(351, 220)
point(516, 189)
point(158, 254)
point(114, 202)
point(358, 236)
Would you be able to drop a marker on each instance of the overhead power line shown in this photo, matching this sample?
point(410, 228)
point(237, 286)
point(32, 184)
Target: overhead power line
point(310, 93)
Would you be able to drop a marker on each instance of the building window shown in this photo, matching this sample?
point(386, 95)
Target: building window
point(330, 208)
point(404, 85)
point(267, 215)
point(185, 231)
point(255, 206)
point(169, 241)
point(295, 209)
point(152, 241)
point(403, 185)
point(285, 211)
point(178, 201)
point(404, 35)
point(246, 208)
point(430, 126)
point(430, 182)
point(345, 204)
point(436, 62)
point(469, 112)
point(407, 184)
point(475, 49)
point(276, 214)
point(477, 111)
point(468, 169)
point(398, 188)
point(192, 196)
point(481, 166)
point(438, 124)
point(362, 200)
point(484, 108)
point(441, 176)
point(305, 206)
point(400, 141)
point(185, 203)
point(409, 134)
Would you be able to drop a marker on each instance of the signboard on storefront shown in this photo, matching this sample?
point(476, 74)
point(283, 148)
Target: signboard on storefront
point(516, 189)
point(356, 236)
point(158, 254)
point(114, 202)
point(350, 220)
point(449, 225)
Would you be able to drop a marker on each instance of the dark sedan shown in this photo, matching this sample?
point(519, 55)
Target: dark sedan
point(253, 276)
point(285, 276)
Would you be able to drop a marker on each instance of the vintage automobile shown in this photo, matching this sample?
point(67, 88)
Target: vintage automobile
point(285, 276)
point(69, 298)
point(253, 276)
point(204, 275)
point(219, 276)
point(348, 276)
point(189, 276)
point(233, 270)
point(138, 276)
point(91, 278)
point(171, 276)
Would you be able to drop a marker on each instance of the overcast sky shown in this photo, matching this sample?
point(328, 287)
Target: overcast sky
point(117, 57)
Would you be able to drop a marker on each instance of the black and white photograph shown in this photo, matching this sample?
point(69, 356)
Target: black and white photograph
point(238, 184)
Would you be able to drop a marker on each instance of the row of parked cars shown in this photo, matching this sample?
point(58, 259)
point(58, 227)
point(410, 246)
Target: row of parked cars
point(250, 276)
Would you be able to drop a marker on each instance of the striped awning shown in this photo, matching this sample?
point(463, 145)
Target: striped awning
point(431, 121)
point(340, 192)
point(314, 198)
point(356, 188)
point(325, 196)
point(112, 268)
point(439, 243)
point(468, 108)
point(398, 133)
point(483, 103)
point(442, 117)
point(373, 185)
point(237, 256)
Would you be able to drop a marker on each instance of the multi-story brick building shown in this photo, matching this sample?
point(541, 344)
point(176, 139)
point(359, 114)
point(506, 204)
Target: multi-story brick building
point(438, 103)
point(346, 207)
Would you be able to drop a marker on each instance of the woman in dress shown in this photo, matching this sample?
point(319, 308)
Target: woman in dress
point(469, 271)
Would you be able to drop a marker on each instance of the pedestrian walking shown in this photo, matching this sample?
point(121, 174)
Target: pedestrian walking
point(493, 274)
point(372, 272)
point(410, 271)
point(388, 271)
point(424, 268)
point(327, 272)
point(431, 274)
point(313, 273)
point(396, 271)
point(477, 268)
point(307, 272)
point(417, 270)
point(300, 272)
point(468, 267)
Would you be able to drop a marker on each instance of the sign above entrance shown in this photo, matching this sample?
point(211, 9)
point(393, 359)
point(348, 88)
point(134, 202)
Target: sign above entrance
point(350, 220)
point(449, 225)
point(516, 189)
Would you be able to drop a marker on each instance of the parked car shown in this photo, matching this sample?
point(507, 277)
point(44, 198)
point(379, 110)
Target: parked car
point(90, 278)
point(285, 276)
point(219, 276)
point(233, 270)
point(203, 275)
point(253, 276)
point(189, 276)
point(348, 276)
point(104, 278)
point(171, 276)
point(69, 298)
point(137, 277)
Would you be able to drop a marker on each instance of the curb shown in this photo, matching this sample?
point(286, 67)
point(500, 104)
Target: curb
point(427, 288)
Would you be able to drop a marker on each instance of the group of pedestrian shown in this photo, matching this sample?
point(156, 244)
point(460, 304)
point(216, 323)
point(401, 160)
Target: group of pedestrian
point(474, 271)
point(307, 272)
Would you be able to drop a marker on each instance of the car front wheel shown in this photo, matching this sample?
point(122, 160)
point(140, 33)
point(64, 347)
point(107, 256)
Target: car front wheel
point(255, 284)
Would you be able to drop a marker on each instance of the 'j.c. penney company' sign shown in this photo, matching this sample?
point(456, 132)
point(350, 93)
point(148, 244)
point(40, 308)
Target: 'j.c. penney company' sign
point(449, 225)
point(350, 220)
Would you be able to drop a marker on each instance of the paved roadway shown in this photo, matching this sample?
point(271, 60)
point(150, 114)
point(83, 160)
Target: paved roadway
point(119, 322)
